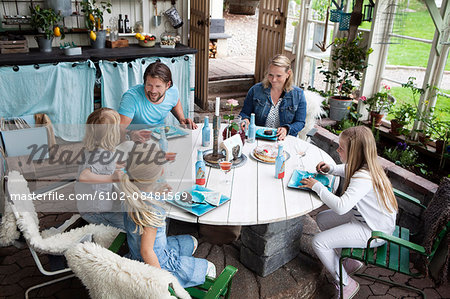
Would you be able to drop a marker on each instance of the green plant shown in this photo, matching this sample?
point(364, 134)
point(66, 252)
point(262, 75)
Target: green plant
point(436, 127)
point(403, 113)
point(93, 13)
point(320, 8)
point(230, 117)
point(44, 20)
point(348, 61)
point(405, 158)
point(381, 101)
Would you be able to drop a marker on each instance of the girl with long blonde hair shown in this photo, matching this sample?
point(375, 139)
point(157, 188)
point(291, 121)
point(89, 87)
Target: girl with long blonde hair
point(367, 204)
point(145, 222)
point(99, 169)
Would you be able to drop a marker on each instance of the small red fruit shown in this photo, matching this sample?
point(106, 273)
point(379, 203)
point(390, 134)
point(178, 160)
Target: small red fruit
point(145, 41)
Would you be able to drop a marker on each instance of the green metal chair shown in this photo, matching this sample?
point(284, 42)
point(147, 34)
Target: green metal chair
point(394, 254)
point(212, 287)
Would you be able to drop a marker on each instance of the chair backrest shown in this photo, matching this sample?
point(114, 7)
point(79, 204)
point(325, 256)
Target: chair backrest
point(314, 111)
point(51, 241)
point(108, 275)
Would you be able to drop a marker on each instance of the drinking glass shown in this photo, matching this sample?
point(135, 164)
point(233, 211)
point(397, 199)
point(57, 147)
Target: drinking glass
point(170, 157)
point(300, 151)
point(225, 166)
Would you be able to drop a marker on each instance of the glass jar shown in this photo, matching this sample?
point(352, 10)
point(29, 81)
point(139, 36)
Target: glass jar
point(169, 40)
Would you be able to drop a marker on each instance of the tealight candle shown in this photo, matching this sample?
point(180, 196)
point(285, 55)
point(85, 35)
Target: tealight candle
point(217, 106)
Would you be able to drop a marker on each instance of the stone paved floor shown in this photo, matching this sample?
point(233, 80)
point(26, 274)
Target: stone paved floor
point(303, 277)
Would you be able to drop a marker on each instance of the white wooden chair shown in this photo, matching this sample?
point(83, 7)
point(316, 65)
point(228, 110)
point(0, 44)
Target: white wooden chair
point(53, 241)
point(314, 111)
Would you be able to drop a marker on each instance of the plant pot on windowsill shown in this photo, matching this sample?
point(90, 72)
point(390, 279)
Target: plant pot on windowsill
point(339, 107)
point(396, 127)
point(376, 118)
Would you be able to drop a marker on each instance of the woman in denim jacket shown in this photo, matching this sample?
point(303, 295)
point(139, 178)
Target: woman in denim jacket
point(276, 102)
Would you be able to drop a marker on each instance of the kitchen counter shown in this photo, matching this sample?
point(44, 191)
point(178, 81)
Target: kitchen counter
point(120, 54)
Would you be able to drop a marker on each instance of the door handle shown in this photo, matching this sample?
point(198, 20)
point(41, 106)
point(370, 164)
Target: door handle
point(200, 23)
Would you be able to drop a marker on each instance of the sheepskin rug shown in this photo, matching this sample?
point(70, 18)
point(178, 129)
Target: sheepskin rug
point(8, 227)
point(48, 241)
point(314, 111)
point(107, 275)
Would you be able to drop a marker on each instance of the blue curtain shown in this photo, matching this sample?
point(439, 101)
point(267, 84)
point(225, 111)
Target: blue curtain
point(64, 92)
point(117, 78)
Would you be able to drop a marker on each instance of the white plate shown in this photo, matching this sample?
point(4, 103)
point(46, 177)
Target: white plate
point(286, 155)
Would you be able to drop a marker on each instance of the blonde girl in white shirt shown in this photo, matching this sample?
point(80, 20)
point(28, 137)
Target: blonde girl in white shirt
point(367, 204)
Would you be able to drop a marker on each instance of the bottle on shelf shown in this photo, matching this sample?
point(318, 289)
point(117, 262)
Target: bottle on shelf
point(163, 144)
point(126, 25)
point(206, 133)
point(252, 129)
point(280, 163)
point(120, 25)
point(200, 168)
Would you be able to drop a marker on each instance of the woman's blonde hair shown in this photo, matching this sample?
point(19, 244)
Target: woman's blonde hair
point(102, 130)
point(362, 153)
point(142, 173)
point(284, 62)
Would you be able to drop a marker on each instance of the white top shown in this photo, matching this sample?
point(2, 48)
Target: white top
point(256, 196)
point(359, 194)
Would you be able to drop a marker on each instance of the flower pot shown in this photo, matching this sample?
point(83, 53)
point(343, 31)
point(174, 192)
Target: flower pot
point(339, 107)
point(100, 41)
point(424, 139)
point(233, 132)
point(376, 118)
point(45, 45)
point(396, 127)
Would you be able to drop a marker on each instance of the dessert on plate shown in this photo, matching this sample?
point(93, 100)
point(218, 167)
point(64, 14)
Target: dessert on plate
point(267, 152)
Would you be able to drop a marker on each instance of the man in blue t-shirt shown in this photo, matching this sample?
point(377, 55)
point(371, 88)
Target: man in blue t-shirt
point(149, 103)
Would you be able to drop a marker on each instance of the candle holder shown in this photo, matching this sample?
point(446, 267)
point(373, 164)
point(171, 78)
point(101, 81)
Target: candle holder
point(215, 156)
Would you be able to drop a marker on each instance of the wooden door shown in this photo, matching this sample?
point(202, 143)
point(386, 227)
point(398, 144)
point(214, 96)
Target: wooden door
point(271, 33)
point(199, 39)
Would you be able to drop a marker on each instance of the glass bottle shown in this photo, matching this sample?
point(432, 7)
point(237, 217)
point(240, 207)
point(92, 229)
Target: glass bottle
point(120, 25)
point(163, 144)
point(200, 169)
point(252, 129)
point(206, 133)
point(126, 25)
point(280, 163)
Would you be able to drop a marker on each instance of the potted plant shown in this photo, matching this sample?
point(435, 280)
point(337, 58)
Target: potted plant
point(437, 128)
point(402, 115)
point(347, 61)
point(93, 17)
point(44, 21)
point(379, 104)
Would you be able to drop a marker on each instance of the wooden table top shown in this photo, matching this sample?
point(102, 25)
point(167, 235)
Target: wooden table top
point(256, 196)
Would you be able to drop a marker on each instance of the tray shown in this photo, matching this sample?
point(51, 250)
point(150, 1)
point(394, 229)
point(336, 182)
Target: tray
point(286, 155)
point(198, 209)
point(298, 175)
point(173, 131)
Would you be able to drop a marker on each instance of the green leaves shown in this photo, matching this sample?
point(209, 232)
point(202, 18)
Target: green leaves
point(44, 19)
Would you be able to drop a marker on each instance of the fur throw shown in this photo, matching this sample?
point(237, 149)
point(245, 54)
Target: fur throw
point(435, 218)
point(50, 241)
point(107, 275)
point(8, 227)
point(313, 111)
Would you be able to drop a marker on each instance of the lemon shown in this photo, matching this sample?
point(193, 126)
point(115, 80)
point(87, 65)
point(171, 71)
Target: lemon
point(138, 36)
point(93, 36)
point(141, 37)
point(57, 31)
point(91, 17)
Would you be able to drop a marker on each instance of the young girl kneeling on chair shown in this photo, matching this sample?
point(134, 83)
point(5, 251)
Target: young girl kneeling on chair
point(145, 223)
point(367, 204)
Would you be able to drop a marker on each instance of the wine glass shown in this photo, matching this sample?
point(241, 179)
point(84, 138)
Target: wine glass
point(300, 151)
point(225, 166)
